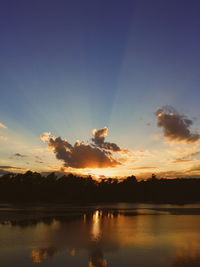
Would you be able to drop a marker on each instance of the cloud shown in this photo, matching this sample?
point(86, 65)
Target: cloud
point(37, 161)
point(10, 167)
point(187, 158)
point(99, 140)
point(179, 160)
point(144, 168)
point(195, 168)
point(3, 125)
point(45, 136)
point(176, 127)
point(19, 155)
point(84, 155)
point(2, 172)
point(38, 158)
point(194, 154)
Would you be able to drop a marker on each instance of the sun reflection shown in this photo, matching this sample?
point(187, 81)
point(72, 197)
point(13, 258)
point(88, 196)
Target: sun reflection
point(96, 225)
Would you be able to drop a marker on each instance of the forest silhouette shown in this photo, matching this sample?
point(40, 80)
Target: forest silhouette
point(33, 187)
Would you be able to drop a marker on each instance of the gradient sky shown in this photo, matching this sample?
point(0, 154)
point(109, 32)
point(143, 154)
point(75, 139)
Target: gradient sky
point(68, 67)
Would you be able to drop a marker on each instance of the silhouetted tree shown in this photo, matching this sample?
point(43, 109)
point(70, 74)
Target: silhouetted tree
point(32, 186)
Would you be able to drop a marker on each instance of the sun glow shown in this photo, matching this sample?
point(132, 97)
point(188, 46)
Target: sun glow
point(99, 173)
point(95, 172)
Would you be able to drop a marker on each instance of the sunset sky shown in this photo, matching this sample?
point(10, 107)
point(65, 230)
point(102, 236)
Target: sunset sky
point(122, 77)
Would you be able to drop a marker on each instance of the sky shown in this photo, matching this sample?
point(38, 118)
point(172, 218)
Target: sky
point(129, 69)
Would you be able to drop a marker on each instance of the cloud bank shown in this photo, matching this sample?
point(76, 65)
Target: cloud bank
point(97, 154)
point(176, 127)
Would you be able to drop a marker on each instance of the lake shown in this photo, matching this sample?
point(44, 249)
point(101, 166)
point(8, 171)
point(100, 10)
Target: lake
point(115, 235)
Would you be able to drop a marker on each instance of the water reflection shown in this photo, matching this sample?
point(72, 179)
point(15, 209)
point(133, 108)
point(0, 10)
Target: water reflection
point(97, 258)
point(38, 255)
point(187, 260)
point(103, 238)
point(96, 225)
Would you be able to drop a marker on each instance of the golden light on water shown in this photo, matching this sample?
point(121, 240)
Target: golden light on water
point(96, 225)
point(35, 256)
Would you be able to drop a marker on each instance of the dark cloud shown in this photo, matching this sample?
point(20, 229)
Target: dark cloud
point(2, 172)
point(99, 140)
point(176, 126)
point(84, 155)
point(10, 167)
point(4, 169)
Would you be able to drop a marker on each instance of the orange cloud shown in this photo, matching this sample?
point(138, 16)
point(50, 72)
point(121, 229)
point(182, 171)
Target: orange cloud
point(45, 136)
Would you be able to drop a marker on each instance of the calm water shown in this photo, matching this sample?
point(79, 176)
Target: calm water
point(100, 236)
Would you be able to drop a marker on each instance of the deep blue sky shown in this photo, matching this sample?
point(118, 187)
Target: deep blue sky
point(71, 66)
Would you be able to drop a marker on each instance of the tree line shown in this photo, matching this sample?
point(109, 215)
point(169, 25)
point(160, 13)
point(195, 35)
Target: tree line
point(33, 187)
